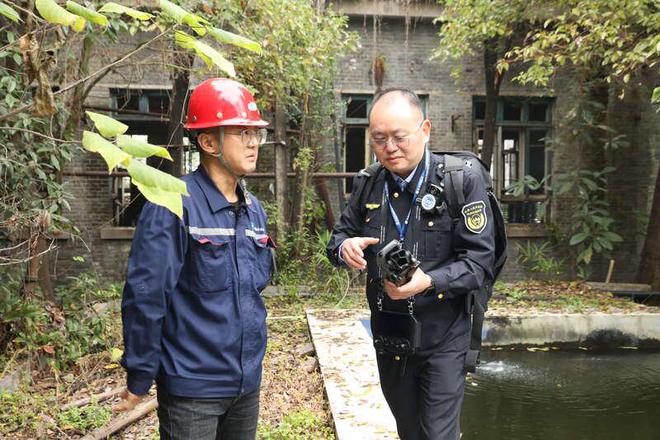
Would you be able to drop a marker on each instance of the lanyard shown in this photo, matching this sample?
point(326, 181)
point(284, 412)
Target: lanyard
point(402, 228)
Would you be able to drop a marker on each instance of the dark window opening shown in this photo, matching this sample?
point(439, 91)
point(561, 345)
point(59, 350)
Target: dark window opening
point(127, 99)
point(354, 152)
point(536, 160)
point(511, 111)
point(480, 110)
point(159, 104)
point(523, 124)
point(356, 108)
point(537, 112)
point(136, 100)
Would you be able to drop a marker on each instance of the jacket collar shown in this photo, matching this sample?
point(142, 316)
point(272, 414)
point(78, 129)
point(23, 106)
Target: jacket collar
point(214, 197)
point(412, 179)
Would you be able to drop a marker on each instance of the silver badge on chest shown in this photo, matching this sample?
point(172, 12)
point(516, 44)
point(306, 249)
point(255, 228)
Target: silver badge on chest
point(428, 202)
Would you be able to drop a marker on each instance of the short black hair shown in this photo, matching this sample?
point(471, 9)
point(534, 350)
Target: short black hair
point(408, 94)
point(194, 134)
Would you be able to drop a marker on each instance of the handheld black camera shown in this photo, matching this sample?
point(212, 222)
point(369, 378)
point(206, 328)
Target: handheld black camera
point(396, 264)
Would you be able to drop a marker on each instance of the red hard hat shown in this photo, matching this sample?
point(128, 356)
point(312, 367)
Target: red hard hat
point(219, 102)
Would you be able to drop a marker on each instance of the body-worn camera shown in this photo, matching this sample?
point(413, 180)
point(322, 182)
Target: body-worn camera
point(396, 264)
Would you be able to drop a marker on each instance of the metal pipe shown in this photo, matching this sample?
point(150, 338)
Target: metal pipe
point(250, 176)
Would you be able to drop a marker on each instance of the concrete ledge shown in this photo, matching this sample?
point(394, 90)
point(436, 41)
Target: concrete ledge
point(350, 375)
point(343, 344)
point(521, 230)
point(593, 329)
point(117, 233)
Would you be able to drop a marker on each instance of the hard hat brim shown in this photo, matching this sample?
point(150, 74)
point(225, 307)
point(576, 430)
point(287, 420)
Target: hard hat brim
point(228, 122)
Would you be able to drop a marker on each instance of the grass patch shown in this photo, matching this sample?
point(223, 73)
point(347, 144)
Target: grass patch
point(299, 425)
point(83, 419)
point(558, 296)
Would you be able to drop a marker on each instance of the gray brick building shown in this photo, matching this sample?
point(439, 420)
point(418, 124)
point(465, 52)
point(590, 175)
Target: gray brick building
point(403, 36)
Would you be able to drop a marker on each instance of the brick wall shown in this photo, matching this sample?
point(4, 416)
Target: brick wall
point(406, 49)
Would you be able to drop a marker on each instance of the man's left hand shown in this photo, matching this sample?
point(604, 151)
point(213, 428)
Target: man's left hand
point(417, 284)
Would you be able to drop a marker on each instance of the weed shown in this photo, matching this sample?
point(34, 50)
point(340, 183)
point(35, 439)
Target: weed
point(300, 425)
point(84, 419)
point(538, 258)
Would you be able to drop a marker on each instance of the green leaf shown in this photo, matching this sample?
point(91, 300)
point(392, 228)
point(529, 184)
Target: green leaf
point(613, 237)
point(112, 155)
point(107, 126)
point(87, 13)
point(158, 187)
point(116, 354)
point(585, 255)
point(120, 9)
point(656, 95)
point(140, 148)
point(54, 13)
point(180, 15)
point(9, 13)
point(578, 238)
point(205, 52)
point(166, 199)
point(236, 40)
point(155, 178)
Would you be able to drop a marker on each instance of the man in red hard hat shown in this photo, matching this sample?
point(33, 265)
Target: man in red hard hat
point(193, 316)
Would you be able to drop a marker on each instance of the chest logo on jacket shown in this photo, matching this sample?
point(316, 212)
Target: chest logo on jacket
point(475, 216)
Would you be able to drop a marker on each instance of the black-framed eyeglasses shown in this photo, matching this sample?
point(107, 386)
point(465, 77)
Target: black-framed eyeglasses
point(251, 135)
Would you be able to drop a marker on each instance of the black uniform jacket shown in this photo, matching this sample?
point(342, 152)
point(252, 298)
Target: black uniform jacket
point(457, 259)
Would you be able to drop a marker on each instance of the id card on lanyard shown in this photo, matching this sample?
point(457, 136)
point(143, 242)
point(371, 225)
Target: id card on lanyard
point(402, 228)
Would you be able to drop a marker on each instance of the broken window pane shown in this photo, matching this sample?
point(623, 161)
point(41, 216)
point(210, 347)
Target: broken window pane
point(356, 108)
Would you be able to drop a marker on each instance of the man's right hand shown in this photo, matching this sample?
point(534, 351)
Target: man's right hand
point(352, 251)
point(128, 401)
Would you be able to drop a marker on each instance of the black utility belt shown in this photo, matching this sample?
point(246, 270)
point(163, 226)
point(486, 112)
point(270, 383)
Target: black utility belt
point(396, 333)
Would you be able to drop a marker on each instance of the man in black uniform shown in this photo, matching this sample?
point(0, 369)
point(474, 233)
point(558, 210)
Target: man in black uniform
point(424, 390)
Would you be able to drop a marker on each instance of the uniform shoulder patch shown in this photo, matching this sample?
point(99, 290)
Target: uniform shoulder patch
point(475, 216)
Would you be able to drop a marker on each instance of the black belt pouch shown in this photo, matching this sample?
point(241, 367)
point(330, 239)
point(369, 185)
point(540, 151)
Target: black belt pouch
point(396, 333)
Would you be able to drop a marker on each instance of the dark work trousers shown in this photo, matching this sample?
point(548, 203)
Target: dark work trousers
point(183, 418)
point(426, 400)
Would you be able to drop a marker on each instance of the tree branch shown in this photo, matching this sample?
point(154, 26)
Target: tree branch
point(92, 75)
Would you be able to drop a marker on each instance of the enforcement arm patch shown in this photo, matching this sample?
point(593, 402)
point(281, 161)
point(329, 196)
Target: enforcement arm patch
point(475, 216)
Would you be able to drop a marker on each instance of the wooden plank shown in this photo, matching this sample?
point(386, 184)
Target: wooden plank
point(620, 287)
point(522, 230)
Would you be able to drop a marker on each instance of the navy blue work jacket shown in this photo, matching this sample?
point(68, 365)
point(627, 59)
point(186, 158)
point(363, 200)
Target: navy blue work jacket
point(193, 316)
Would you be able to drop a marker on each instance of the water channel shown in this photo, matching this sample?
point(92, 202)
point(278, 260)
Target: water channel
point(567, 395)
